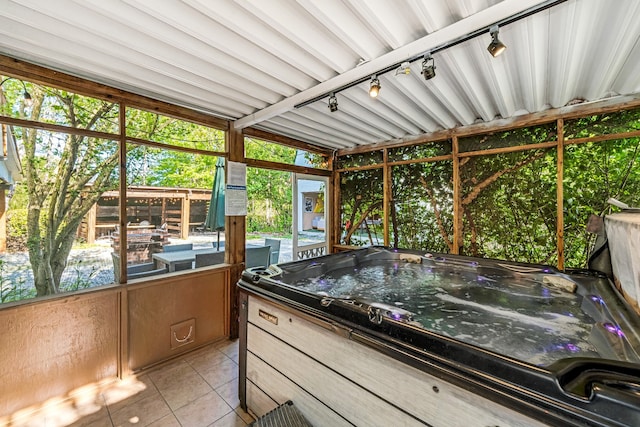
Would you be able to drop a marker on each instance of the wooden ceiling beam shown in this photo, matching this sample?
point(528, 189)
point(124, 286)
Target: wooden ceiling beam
point(500, 125)
point(265, 164)
point(284, 140)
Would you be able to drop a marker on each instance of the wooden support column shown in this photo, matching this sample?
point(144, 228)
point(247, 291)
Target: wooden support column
point(336, 207)
point(387, 196)
point(3, 220)
point(235, 234)
point(185, 214)
point(123, 327)
point(91, 223)
point(3, 196)
point(333, 226)
point(457, 199)
point(560, 196)
point(123, 195)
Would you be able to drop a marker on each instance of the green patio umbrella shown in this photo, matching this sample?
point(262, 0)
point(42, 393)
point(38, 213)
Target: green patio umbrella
point(215, 214)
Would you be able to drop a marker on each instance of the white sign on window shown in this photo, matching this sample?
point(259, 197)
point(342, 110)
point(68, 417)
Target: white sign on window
point(235, 196)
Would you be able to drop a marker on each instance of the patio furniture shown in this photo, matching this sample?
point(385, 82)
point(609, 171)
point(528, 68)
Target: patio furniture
point(135, 271)
point(257, 256)
point(180, 260)
point(180, 247)
point(142, 242)
point(203, 260)
point(274, 244)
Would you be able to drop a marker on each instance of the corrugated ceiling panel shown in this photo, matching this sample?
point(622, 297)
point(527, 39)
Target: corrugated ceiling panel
point(254, 61)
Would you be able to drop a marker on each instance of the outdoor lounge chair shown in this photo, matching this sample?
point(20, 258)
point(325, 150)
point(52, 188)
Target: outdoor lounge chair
point(135, 271)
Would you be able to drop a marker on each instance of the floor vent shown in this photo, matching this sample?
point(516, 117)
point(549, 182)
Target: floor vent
point(285, 415)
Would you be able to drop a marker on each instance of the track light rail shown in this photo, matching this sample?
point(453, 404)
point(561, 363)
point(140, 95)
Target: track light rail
point(485, 30)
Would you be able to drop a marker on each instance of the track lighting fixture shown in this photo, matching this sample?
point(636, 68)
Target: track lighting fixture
point(404, 68)
point(333, 103)
point(496, 47)
point(374, 88)
point(428, 67)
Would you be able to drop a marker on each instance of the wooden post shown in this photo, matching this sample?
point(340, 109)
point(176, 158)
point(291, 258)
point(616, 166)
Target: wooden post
point(185, 214)
point(387, 196)
point(123, 196)
point(163, 211)
point(3, 220)
point(123, 342)
point(335, 205)
point(91, 223)
point(235, 234)
point(457, 198)
point(330, 218)
point(3, 207)
point(5, 137)
point(560, 196)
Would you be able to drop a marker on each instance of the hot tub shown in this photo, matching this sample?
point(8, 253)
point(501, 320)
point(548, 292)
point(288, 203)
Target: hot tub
point(398, 337)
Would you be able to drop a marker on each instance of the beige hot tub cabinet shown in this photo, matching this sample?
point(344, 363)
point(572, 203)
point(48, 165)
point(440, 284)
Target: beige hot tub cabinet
point(335, 380)
point(337, 377)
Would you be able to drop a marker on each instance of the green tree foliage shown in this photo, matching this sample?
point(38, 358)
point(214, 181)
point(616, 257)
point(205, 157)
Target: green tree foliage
point(153, 166)
point(508, 206)
point(269, 194)
point(361, 200)
point(64, 174)
point(422, 206)
point(166, 168)
point(269, 191)
point(593, 173)
point(508, 201)
point(174, 132)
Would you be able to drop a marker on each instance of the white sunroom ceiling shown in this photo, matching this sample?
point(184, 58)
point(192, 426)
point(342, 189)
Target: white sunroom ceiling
point(254, 61)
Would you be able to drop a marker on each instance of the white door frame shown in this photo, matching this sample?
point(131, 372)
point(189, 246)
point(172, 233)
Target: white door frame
point(314, 249)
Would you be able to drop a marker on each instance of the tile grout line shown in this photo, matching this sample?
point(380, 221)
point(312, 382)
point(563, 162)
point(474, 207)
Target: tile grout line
point(165, 400)
point(212, 388)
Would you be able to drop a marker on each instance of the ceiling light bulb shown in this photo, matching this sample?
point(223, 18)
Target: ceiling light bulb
point(496, 47)
point(374, 88)
point(333, 103)
point(428, 67)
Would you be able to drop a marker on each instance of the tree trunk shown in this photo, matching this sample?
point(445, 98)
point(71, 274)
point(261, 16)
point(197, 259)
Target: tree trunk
point(438, 214)
point(394, 222)
point(355, 225)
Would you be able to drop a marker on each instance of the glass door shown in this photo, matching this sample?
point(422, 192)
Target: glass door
point(310, 216)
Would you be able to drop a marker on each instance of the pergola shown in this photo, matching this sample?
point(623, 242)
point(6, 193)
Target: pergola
point(299, 74)
point(180, 210)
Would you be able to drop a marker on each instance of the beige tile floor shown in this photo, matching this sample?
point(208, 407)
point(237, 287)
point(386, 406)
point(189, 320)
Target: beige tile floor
point(199, 389)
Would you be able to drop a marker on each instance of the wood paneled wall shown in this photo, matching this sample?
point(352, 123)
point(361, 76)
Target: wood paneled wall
point(153, 310)
point(52, 346)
